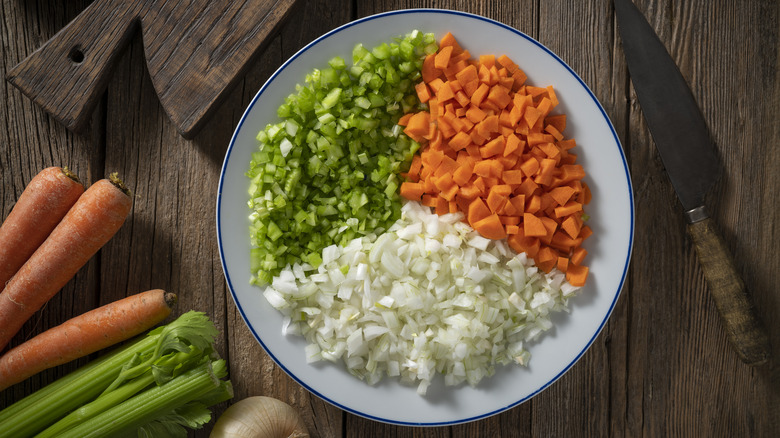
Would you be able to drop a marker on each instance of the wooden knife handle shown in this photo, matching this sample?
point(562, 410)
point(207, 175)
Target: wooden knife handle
point(745, 331)
point(67, 75)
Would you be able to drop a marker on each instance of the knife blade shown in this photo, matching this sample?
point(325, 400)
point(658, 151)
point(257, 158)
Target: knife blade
point(687, 151)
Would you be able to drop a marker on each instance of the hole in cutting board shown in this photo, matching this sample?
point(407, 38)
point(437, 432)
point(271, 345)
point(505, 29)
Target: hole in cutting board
point(76, 55)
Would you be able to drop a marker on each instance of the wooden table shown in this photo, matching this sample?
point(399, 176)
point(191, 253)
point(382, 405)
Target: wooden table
point(662, 365)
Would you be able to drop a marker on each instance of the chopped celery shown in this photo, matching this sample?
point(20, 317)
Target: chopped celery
point(327, 171)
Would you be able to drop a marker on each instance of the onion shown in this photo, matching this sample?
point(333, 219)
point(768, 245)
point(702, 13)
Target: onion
point(429, 296)
point(260, 417)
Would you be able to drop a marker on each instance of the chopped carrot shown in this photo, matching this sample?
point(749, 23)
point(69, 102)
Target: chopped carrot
point(518, 202)
point(477, 211)
point(414, 169)
point(579, 255)
point(530, 166)
point(412, 190)
point(85, 334)
point(460, 141)
point(572, 226)
point(487, 60)
point(442, 57)
point(449, 40)
point(462, 175)
point(569, 208)
point(95, 217)
point(495, 200)
point(561, 195)
point(404, 120)
point(490, 227)
point(442, 206)
point(499, 95)
point(445, 93)
point(557, 121)
point(418, 125)
point(482, 168)
point(40, 207)
point(546, 259)
point(577, 274)
point(585, 232)
point(520, 243)
point(467, 75)
point(492, 147)
point(479, 94)
point(423, 92)
point(507, 63)
point(533, 226)
point(429, 70)
point(563, 264)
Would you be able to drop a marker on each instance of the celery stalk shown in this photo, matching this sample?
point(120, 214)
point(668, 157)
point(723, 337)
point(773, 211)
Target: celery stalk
point(46, 405)
point(113, 397)
point(153, 360)
point(90, 410)
point(149, 405)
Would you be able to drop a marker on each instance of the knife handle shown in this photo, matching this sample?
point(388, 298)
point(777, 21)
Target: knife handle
point(745, 332)
point(67, 75)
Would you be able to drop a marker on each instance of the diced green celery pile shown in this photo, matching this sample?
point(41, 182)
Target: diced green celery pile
point(328, 171)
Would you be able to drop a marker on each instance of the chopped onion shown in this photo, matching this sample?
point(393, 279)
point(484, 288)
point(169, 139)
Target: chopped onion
point(428, 296)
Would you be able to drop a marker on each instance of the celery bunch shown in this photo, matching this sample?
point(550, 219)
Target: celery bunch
point(157, 386)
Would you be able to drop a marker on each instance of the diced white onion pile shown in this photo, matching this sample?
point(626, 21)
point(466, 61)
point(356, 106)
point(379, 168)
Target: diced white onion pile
point(428, 296)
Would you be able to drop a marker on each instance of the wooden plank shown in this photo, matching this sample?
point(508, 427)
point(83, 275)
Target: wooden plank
point(169, 242)
point(684, 377)
point(30, 140)
point(583, 39)
point(661, 366)
point(255, 371)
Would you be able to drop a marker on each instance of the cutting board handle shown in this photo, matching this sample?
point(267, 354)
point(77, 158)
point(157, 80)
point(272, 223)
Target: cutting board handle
point(745, 332)
point(67, 75)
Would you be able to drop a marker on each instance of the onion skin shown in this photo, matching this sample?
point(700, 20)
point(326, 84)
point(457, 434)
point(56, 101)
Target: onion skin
point(260, 417)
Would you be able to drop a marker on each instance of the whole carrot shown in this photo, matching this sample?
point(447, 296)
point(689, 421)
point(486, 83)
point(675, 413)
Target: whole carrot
point(89, 224)
point(39, 209)
point(85, 334)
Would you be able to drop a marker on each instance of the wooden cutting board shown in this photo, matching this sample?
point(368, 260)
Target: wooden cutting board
point(195, 52)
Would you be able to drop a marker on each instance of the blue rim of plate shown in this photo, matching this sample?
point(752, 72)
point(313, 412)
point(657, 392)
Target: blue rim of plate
point(518, 33)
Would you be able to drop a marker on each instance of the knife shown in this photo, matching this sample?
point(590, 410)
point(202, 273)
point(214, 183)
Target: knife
point(688, 154)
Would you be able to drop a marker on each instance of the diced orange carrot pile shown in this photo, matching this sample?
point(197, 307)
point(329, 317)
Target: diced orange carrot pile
point(493, 150)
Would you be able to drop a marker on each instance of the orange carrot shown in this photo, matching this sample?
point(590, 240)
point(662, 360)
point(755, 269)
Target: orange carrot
point(41, 206)
point(577, 274)
point(493, 148)
point(412, 190)
point(490, 227)
point(85, 334)
point(89, 224)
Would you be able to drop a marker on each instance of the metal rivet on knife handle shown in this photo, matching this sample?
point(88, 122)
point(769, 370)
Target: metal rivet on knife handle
point(744, 330)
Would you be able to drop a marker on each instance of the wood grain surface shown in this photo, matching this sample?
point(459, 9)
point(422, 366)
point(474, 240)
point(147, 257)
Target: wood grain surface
point(662, 366)
point(195, 52)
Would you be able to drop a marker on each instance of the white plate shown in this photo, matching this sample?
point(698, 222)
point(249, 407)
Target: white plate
point(611, 211)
